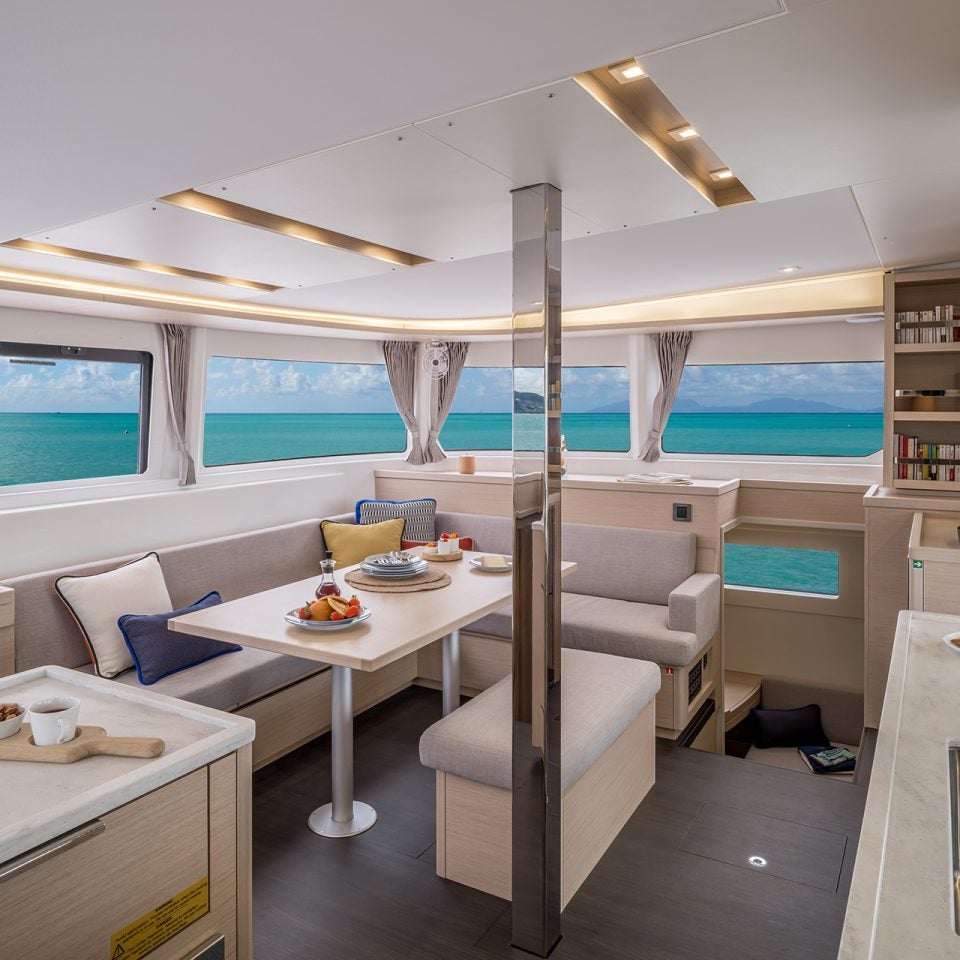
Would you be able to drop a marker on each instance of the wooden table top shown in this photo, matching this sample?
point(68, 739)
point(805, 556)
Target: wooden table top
point(400, 622)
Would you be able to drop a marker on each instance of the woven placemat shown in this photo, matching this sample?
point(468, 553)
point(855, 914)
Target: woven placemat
point(430, 580)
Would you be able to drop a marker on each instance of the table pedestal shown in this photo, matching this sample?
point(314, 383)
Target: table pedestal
point(451, 672)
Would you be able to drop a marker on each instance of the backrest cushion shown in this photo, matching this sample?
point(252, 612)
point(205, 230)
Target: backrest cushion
point(489, 534)
point(236, 566)
point(623, 563)
point(352, 542)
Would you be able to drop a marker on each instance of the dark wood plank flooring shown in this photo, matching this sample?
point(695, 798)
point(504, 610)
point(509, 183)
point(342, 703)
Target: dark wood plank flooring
point(377, 895)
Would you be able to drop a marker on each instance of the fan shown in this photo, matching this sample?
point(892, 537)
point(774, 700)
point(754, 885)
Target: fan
point(436, 359)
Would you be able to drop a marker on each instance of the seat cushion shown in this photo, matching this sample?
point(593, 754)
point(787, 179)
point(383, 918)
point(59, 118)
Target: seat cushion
point(618, 627)
point(230, 682)
point(601, 697)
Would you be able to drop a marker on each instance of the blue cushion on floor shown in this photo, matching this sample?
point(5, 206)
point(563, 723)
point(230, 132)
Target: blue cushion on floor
point(158, 652)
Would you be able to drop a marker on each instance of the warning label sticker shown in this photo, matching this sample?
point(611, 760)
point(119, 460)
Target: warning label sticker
point(157, 926)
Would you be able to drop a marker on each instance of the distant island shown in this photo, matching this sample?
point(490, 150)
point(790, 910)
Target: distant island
point(527, 402)
point(773, 405)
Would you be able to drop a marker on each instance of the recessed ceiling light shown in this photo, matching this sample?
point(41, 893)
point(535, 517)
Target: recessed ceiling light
point(627, 71)
point(683, 133)
point(790, 268)
point(724, 173)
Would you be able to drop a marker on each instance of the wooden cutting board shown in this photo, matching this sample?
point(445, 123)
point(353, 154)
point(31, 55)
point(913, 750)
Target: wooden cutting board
point(442, 557)
point(89, 742)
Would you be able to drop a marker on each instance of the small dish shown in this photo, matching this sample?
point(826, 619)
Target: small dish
point(478, 563)
point(328, 625)
point(952, 640)
point(9, 727)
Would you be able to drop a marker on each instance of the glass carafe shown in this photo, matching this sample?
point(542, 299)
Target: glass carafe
point(328, 583)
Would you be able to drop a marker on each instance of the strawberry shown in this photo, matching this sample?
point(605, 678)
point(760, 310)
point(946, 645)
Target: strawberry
point(337, 615)
point(304, 612)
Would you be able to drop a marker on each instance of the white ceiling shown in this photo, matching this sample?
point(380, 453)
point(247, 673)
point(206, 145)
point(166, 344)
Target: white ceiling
point(841, 117)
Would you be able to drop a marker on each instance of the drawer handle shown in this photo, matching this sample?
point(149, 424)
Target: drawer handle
point(52, 849)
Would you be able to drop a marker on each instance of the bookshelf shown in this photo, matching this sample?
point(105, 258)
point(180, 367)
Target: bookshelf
point(922, 381)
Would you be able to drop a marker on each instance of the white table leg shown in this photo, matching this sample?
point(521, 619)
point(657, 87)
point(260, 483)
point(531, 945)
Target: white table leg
point(344, 816)
point(451, 672)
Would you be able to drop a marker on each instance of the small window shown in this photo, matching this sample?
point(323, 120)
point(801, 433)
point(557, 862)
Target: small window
point(72, 413)
point(265, 410)
point(783, 569)
point(783, 409)
point(596, 409)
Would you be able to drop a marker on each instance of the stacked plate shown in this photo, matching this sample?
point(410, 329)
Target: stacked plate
point(394, 566)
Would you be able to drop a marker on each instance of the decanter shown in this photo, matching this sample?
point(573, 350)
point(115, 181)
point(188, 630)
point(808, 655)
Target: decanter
point(328, 583)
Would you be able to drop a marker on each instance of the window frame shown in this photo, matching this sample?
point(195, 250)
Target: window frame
point(240, 465)
point(628, 453)
point(833, 458)
point(66, 352)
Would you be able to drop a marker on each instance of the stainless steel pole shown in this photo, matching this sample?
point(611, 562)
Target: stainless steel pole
point(344, 816)
point(536, 570)
point(451, 672)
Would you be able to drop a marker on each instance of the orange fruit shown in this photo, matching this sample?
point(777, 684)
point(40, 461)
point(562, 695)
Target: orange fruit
point(320, 609)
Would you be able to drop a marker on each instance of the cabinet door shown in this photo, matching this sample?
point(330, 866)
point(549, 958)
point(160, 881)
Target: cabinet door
point(941, 587)
point(149, 852)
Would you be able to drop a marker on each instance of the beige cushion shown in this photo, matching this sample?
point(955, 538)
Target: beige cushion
point(236, 566)
point(788, 758)
point(352, 542)
point(98, 601)
point(617, 627)
point(601, 697)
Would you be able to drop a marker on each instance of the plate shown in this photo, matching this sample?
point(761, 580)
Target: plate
point(401, 560)
point(321, 625)
point(952, 640)
point(385, 574)
point(476, 562)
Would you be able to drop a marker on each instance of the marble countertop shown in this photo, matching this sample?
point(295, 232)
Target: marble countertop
point(901, 895)
point(40, 801)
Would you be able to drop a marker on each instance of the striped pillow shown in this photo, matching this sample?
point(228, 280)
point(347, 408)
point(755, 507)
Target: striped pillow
point(420, 515)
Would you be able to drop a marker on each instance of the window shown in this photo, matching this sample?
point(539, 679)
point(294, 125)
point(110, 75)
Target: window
point(596, 408)
point(261, 410)
point(787, 409)
point(785, 569)
point(72, 413)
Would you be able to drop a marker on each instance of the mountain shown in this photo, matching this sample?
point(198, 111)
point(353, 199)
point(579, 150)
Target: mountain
point(527, 402)
point(772, 405)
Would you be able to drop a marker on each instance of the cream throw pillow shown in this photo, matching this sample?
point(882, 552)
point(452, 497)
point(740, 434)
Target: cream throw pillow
point(353, 542)
point(98, 601)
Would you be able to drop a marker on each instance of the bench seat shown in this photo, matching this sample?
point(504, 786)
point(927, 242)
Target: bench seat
point(606, 769)
point(623, 628)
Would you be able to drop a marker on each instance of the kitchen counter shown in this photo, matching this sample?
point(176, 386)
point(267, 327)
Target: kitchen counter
point(41, 801)
point(901, 895)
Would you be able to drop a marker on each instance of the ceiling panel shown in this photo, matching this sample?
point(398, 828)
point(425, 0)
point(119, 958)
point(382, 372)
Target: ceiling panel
point(102, 120)
point(168, 235)
point(404, 189)
point(85, 270)
point(821, 234)
point(833, 94)
point(914, 221)
point(559, 134)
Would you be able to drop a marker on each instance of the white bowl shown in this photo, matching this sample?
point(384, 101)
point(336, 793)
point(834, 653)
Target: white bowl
point(9, 727)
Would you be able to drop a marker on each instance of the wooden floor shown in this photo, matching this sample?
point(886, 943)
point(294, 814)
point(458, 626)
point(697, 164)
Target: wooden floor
point(377, 896)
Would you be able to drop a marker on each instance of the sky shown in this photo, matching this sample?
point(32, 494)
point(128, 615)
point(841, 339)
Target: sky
point(487, 389)
point(854, 386)
point(70, 386)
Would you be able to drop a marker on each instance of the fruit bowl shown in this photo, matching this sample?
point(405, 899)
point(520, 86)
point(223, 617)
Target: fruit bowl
point(11, 724)
point(329, 625)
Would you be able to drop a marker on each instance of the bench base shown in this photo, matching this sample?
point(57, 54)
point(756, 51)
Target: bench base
point(474, 819)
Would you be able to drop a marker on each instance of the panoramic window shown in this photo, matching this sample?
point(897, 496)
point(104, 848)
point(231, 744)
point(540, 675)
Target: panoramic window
point(785, 569)
point(786, 409)
point(259, 410)
point(596, 409)
point(72, 413)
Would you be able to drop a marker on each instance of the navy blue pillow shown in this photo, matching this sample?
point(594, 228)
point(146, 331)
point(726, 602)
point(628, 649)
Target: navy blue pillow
point(158, 652)
point(800, 727)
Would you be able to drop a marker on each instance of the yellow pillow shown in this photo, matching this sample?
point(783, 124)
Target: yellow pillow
point(353, 542)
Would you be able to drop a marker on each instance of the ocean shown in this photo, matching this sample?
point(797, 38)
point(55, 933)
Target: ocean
point(43, 447)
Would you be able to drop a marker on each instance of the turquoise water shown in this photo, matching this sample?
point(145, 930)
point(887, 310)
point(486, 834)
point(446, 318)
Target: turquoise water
point(43, 447)
point(797, 434)
point(782, 568)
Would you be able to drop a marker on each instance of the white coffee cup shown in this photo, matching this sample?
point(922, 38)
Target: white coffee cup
point(54, 720)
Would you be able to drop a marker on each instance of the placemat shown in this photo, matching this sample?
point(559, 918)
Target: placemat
point(429, 580)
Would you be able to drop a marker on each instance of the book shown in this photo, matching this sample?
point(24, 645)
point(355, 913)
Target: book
point(828, 760)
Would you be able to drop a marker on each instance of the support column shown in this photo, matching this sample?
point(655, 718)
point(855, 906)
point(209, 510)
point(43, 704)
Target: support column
point(536, 571)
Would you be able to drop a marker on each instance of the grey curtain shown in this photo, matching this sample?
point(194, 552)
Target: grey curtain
point(442, 393)
point(401, 358)
point(176, 363)
point(672, 350)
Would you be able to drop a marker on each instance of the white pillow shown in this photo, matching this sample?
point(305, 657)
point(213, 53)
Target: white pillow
point(98, 601)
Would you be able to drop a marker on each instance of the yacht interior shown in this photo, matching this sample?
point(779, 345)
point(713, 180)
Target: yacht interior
point(480, 481)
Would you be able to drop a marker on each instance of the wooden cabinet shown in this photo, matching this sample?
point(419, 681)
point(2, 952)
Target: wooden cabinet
point(156, 876)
